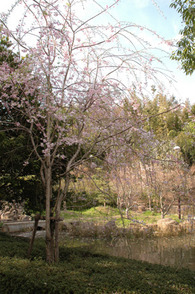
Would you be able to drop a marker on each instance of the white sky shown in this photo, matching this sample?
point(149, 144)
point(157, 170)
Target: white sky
point(162, 19)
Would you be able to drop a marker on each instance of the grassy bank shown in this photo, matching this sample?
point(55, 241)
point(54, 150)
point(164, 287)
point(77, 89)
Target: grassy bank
point(102, 214)
point(108, 222)
point(81, 271)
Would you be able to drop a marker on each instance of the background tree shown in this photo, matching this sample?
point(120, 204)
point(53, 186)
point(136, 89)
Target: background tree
point(185, 140)
point(185, 51)
point(18, 182)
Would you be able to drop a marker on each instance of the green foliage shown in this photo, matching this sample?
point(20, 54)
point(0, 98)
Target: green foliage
point(6, 54)
point(173, 127)
point(185, 52)
point(173, 123)
point(81, 271)
point(98, 212)
point(20, 178)
point(193, 109)
point(101, 211)
point(102, 214)
point(151, 213)
point(185, 140)
point(81, 200)
point(89, 191)
point(161, 121)
point(19, 181)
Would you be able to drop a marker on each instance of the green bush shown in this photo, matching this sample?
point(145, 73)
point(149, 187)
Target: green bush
point(81, 200)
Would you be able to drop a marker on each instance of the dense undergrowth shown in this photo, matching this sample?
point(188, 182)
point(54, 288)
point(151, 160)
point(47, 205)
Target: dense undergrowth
point(82, 271)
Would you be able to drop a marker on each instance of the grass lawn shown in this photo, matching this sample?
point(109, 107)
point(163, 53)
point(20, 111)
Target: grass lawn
point(81, 271)
point(103, 214)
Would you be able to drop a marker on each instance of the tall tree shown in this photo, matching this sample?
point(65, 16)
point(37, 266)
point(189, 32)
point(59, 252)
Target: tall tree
point(18, 182)
point(81, 69)
point(185, 51)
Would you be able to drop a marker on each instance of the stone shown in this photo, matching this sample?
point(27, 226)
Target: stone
point(12, 212)
point(168, 226)
point(141, 208)
point(166, 222)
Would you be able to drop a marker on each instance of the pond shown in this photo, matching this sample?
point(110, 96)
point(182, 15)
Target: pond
point(177, 251)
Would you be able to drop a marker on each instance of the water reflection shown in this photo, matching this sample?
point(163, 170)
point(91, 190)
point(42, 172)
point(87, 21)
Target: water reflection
point(178, 251)
point(173, 251)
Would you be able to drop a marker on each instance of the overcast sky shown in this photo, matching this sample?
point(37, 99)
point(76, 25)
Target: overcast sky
point(158, 16)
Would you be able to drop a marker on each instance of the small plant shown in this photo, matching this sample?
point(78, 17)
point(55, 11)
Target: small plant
point(150, 213)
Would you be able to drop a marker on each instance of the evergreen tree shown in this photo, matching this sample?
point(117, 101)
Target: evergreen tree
point(185, 52)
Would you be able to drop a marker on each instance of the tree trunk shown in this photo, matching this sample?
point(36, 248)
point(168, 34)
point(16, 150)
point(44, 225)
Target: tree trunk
point(64, 205)
point(150, 202)
point(49, 239)
point(127, 212)
point(162, 214)
point(37, 218)
point(179, 208)
point(59, 200)
point(162, 207)
point(56, 249)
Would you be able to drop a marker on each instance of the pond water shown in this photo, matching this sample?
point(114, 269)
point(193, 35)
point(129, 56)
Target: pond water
point(178, 251)
point(173, 251)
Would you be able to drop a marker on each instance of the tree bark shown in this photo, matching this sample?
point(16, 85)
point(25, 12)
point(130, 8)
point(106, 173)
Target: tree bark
point(37, 218)
point(49, 236)
point(56, 249)
point(57, 217)
point(162, 207)
point(150, 202)
point(179, 207)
